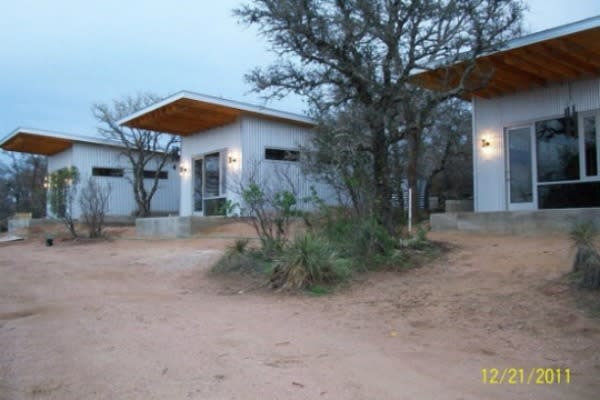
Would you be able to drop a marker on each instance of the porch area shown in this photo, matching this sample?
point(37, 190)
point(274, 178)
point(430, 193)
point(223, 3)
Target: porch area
point(534, 222)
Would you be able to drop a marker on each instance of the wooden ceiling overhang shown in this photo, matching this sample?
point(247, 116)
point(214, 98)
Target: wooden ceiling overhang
point(30, 142)
point(540, 64)
point(186, 116)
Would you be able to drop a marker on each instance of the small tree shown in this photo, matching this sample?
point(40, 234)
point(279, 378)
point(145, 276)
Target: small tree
point(93, 201)
point(146, 150)
point(271, 204)
point(62, 192)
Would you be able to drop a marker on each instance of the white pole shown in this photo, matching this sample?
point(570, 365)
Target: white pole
point(409, 210)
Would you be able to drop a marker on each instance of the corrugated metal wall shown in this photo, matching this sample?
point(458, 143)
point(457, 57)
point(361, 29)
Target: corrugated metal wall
point(258, 134)
point(86, 156)
point(491, 117)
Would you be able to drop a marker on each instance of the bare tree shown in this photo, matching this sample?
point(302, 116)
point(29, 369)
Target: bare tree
point(365, 53)
point(24, 183)
point(146, 150)
point(93, 201)
point(446, 162)
point(271, 201)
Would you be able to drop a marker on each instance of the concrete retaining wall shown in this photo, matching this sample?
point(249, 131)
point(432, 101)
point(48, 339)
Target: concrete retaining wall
point(515, 222)
point(176, 227)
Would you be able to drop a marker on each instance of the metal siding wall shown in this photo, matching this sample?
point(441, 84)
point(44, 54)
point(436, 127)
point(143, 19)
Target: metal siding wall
point(261, 133)
point(225, 137)
point(60, 160)
point(87, 156)
point(492, 116)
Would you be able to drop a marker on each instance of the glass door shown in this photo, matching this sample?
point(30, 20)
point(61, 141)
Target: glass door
point(208, 184)
point(519, 169)
point(198, 185)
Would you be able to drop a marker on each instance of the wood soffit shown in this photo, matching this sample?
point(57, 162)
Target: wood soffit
point(187, 116)
point(566, 58)
point(24, 142)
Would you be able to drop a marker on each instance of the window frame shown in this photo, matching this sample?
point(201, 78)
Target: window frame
point(122, 175)
point(290, 150)
point(582, 156)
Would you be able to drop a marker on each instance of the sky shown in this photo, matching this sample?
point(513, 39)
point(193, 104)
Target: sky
point(59, 57)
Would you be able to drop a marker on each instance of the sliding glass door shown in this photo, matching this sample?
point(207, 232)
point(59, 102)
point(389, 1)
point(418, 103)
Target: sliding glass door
point(209, 184)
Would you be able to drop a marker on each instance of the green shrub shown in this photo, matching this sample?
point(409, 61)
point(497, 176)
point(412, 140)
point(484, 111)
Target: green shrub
point(586, 266)
point(363, 240)
point(309, 260)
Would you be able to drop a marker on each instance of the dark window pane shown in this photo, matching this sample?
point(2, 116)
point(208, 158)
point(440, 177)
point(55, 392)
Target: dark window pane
point(282, 155)
point(211, 175)
point(569, 195)
point(591, 156)
point(198, 185)
point(214, 206)
point(557, 151)
point(148, 174)
point(519, 145)
point(112, 172)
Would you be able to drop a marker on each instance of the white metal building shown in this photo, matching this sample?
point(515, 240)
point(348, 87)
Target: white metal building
point(100, 158)
point(536, 124)
point(226, 143)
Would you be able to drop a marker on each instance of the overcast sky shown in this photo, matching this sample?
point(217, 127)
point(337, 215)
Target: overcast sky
point(58, 57)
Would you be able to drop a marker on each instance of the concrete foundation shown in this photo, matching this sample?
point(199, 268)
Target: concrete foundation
point(176, 227)
point(451, 206)
point(515, 222)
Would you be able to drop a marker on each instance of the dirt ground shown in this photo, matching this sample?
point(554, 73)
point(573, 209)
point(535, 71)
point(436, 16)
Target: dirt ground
point(133, 319)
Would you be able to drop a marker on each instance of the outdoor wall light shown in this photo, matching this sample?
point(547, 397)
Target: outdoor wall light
point(182, 170)
point(46, 182)
point(485, 143)
point(232, 159)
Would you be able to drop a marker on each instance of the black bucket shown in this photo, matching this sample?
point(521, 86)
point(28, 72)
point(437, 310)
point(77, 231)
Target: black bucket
point(49, 242)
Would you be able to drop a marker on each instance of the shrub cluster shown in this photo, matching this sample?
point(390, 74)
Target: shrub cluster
point(333, 245)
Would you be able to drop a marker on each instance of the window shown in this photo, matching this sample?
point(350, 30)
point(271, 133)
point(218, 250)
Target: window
point(590, 146)
point(111, 172)
point(557, 150)
point(148, 174)
point(211, 175)
point(282, 155)
point(569, 195)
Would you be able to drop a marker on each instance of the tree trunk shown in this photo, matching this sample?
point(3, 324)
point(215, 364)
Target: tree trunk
point(412, 170)
point(381, 176)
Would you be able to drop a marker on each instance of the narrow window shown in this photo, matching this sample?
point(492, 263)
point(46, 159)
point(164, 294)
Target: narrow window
point(111, 172)
point(281, 154)
point(149, 174)
point(591, 149)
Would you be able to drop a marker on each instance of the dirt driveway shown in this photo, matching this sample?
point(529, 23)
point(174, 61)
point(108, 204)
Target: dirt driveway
point(132, 319)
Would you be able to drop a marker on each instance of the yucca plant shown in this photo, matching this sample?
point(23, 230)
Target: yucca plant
point(586, 266)
point(307, 261)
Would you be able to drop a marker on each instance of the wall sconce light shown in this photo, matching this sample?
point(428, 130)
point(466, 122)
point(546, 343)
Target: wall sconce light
point(182, 170)
point(46, 182)
point(485, 143)
point(232, 159)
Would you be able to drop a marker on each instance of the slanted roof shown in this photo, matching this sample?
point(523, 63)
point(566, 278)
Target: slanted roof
point(186, 113)
point(565, 53)
point(44, 142)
